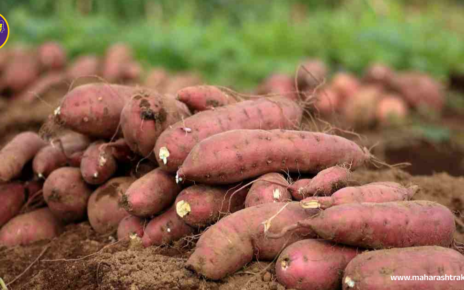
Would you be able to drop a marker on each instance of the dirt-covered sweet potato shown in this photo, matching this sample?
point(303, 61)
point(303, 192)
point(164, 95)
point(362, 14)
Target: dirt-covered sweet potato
point(377, 192)
point(236, 155)
point(98, 163)
point(202, 205)
point(313, 265)
point(52, 56)
point(104, 209)
point(150, 194)
point(27, 228)
point(235, 240)
point(268, 188)
point(175, 143)
point(67, 194)
point(131, 225)
point(12, 196)
point(146, 116)
point(202, 98)
point(165, 229)
point(83, 66)
point(296, 188)
point(326, 182)
point(17, 153)
point(374, 270)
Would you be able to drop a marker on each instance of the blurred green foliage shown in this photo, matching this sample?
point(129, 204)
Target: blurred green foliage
point(238, 43)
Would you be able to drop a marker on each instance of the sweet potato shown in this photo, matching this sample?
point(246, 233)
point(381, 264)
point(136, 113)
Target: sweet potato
point(175, 143)
point(121, 151)
point(98, 163)
point(377, 192)
point(165, 229)
point(360, 110)
point(132, 71)
point(326, 182)
point(231, 243)
point(21, 71)
point(374, 270)
point(202, 205)
point(379, 74)
point(83, 66)
point(327, 101)
point(43, 85)
point(104, 210)
point(279, 84)
point(30, 227)
point(182, 80)
point(268, 188)
point(296, 188)
point(52, 56)
point(17, 153)
point(13, 196)
point(313, 265)
point(117, 57)
point(202, 98)
point(94, 109)
point(312, 74)
point(146, 116)
point(386, 225)
point(345, 85)
point(391, 110)
point(130, 225)
point(150, 194)
point(67, 194)
point(157, 79)
point(56, 154)
point(236, 155)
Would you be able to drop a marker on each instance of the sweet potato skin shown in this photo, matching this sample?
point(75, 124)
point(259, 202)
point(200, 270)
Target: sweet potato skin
point(264, 113)
point(268, 188)
point(313, 265)
point(373, 270)
point(98, 163)
point(391, 110)
point(202, 205)
point(104, 210)
point(13, 196)
point(67, 194)
point(231, 243)
point(84, 66)
point(386, 225)
point(130, 225)
point(236, 155)
point(52, 56)
point(30, 227)
point(296, 188)
point(165, 229)
point(17, 153)
point(327, 182)
point(202, 98)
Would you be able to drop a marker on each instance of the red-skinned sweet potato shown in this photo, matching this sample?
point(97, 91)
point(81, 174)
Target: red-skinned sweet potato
point(345, 85)
point(43, 85)
point(182, 80)
point(13, 196)
point(150, 194)
point(174, 144)
point(326, 182)
point(236, 155)
point(21, 71)
point(84, 66)
point(391, 110)
point(377, 192)
point(312, 74)
point(296, 188)
point(52, 56)
point(131, 225)
point(27, 228)
point(374, 270)
point(379, 74)
point(67, 194)
point(165, 229)
point(104, 210)
point(157, 79)
point(279, 84)
point(146, 116)
point(17, 153)
point(313, 265)
point(268, 188)
point(202, 205)
point(202, 98)
point(232, 243)
point(98, 163)
point(118, 56)
point(327, 101)
point(360, 109)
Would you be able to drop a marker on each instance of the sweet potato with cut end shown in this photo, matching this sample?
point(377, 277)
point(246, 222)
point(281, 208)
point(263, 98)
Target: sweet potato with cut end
point(386, 225)
point(326, 182)
point(12, 196)
point(391, 110)
point(27, 228)
point(56, 155)
point(379, 74)
point(131, 225)
point(146, 116)
point(268, 188)
point(98, 163)
point(17, 153)
point(104, 209)
point(296, 188)
point(374, 270)
point(232, 243)
point(202, 98)
point(345, 85)
point(52, 56)
point(312, 74)
point(150, 194)
point(202, 205)
point(165, 229)
point(360, 110)
point(236, 155)
point(279, 84)
point(377, 192)
point(117, 57)
point(313, 265)
point(175, 143)
point(83, 66)
point(67, 194)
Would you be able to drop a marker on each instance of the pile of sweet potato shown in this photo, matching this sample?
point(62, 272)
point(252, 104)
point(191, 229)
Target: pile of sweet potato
point(237, 172)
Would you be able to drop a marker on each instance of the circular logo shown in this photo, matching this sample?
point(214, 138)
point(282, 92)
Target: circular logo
point(4, 31)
